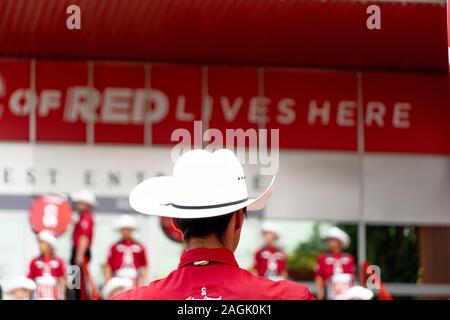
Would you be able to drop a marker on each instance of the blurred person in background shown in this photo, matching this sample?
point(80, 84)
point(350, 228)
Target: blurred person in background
point(48, 270)
point(115, 286)
point(20, 288)
point(84, 202)
point(127, 257)
point(270, 260)
point(207, 198)
point(335, 270)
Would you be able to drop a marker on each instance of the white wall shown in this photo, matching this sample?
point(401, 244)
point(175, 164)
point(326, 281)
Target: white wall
point(316, 185)
point(407, 189)
point(396, 188)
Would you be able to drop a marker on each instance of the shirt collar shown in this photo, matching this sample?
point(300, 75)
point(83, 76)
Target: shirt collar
point(218, 255)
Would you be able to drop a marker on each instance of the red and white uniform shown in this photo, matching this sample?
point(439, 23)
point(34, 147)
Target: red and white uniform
point(337, 271)
point(45, 272)
point(213, 274)
point(270, 262)
point(125, 258)
point(84, 226)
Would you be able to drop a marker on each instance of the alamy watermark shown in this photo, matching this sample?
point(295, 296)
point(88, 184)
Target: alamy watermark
point(73, 19)
point(73, 274)
point(373, 281)
point(251, 146)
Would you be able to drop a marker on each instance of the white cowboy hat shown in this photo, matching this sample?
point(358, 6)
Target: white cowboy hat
point(116, 283)
point(357, 293)
point(271, 227)
point(48, 237)
point(203, 184)
point(339, 234)
point(125, 221)
point(85, 196)
point(20, 283)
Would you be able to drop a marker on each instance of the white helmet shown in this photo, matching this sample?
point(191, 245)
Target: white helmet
point(85, 196)
point(125, 221)
point(48, 237)
point(357, 293)
point(271, 227)
point(116, 283)
point(339, 234)
point(20, 283)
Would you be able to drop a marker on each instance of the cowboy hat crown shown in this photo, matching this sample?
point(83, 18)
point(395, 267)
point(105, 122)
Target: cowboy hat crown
point(85, 196)
point(203, 184)
point(48, 237)
point(125, 221)
point(339, 234)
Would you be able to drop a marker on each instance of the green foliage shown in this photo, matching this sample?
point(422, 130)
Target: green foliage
point(352, 231)
point(305, 254)
point(396, 250)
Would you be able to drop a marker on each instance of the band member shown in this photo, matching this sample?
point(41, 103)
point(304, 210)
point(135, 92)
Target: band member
point(127, 258)
point(207, 197)
point(115, 286)
point(20, 288)
point(270, 260)
point(335, 270)
point(84, 202)
point(47, 270)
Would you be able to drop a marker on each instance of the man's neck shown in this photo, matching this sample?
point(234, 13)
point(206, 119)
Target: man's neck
point(210, 243)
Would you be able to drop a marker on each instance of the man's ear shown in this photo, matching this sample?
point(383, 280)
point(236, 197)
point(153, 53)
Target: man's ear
point(239, 219)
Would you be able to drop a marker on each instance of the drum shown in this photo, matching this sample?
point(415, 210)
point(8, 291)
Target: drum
point(338, 285)
point(46, 288)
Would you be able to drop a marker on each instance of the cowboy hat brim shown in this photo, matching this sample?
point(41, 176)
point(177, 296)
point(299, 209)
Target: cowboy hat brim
point(152, 197)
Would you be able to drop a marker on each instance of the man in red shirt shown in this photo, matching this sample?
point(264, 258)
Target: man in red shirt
point(83, 232)
point(270, 260)
point(335, 270)
point(207, 197)
point(47, 270)
point(127, 258)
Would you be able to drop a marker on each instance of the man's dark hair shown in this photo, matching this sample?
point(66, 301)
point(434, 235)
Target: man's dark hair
point(203, 227)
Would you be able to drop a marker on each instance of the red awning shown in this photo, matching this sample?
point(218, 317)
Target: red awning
point(266, 32)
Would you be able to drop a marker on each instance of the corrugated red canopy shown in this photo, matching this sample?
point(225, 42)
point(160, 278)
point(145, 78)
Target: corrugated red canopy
point(265, 32)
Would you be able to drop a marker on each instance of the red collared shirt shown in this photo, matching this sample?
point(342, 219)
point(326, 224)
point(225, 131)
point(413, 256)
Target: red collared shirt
point(126, 254)
point(329, 263)
point(84, 226)
point(214, 274)
point(270, 262)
